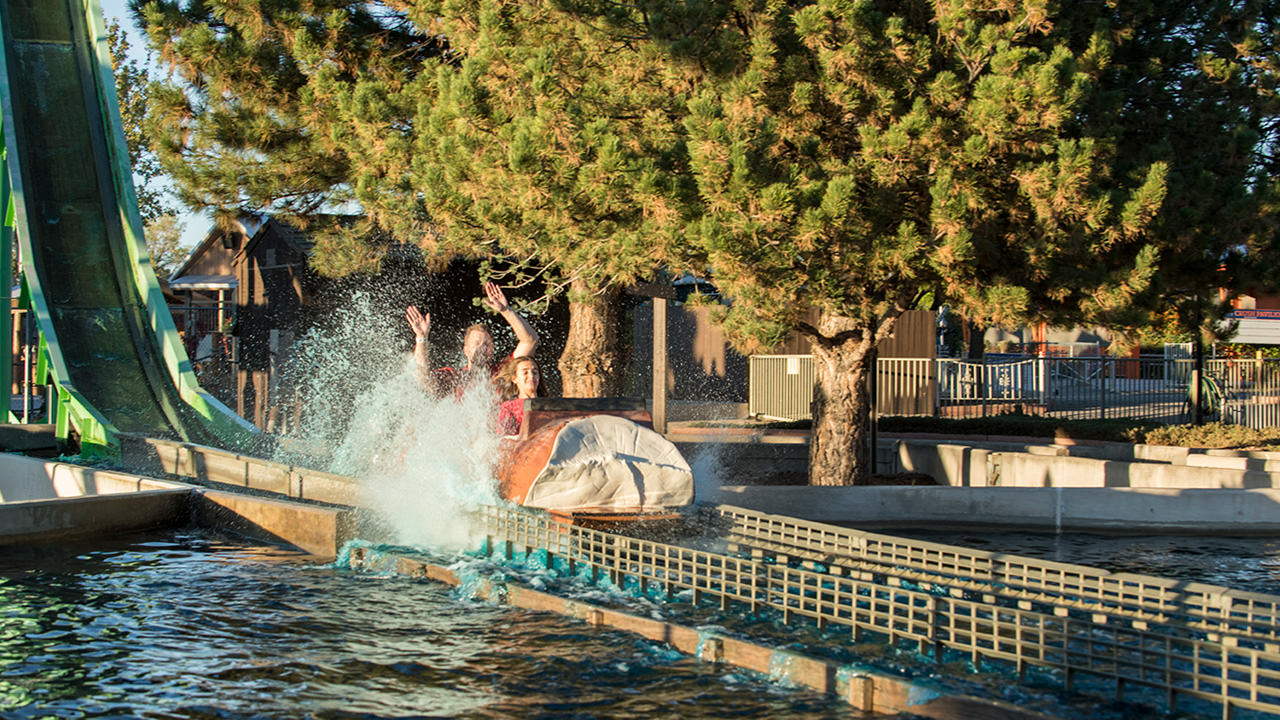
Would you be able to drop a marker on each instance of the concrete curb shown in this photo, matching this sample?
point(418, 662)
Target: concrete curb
point(56, 501)
point(28, 521)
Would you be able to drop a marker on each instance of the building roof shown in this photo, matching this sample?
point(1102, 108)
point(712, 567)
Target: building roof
point(292, 236)
point(204, 282)
point(247, 224)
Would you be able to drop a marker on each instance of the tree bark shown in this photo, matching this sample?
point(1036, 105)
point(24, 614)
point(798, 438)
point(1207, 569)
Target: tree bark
point(590, 365)
point(844, 352)
point(977, 341)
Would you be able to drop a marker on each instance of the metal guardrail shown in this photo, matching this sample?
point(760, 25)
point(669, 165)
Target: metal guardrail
point(1001, 578)
point(938, 616)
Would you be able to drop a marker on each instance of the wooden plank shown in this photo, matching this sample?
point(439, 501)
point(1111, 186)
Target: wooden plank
point(660, 365)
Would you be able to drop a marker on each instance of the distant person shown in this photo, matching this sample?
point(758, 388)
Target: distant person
point(477, 346)
point(519, 380)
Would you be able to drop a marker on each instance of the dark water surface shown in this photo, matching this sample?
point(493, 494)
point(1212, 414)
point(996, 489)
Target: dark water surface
point(189, 625)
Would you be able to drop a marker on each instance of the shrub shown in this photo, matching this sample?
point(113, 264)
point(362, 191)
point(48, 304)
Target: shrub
point(1212, 435)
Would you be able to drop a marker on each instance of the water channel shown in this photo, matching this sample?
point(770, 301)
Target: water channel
point(184, 624)
point(188, 624)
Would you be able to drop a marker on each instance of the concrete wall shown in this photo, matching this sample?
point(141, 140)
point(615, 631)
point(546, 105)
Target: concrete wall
point(24, 479)
point(1047, 509)
point(65, 518)
point(1110, 465)
point(320, 531)
point(49, 501)
point(959, 465)
point(211, 465)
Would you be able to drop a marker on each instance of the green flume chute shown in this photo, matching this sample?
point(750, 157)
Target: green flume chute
point(112, 348)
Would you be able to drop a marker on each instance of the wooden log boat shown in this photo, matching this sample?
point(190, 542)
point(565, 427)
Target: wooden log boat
point(594, 459)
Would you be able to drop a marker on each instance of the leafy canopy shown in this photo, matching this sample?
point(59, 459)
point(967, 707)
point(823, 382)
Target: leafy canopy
point(857, 155)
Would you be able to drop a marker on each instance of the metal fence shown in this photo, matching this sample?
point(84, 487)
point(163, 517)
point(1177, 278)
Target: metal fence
point(1006, 579)
point(1243, 392)
point(1131, 633)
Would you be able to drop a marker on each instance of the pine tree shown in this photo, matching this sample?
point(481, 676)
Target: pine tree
point(857, 156)
point(555, 143)
point(164, 243)
point(133, 84)
point(1189, 85)
point(515, 133)
point(133, 80)
point(254, 117)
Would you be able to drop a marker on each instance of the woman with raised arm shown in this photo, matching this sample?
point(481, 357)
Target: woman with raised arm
point(477, 346)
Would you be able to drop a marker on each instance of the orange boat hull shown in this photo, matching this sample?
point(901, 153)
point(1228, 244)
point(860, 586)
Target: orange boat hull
point(598, 460)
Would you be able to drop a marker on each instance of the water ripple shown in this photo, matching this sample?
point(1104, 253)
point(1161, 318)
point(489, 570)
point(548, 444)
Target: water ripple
point(187, 625)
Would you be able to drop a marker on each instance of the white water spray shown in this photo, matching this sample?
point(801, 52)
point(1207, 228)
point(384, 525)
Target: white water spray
point(425, 463)
point(708, 466)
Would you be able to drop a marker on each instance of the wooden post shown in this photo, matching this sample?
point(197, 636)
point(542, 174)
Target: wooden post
point(660, 365)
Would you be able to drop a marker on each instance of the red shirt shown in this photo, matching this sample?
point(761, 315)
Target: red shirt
point(450, 379)
point(510, 416)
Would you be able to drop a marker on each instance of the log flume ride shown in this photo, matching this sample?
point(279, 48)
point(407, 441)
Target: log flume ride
point(592, 461)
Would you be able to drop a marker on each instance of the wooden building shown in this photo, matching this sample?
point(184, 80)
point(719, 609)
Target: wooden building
point(246, 289)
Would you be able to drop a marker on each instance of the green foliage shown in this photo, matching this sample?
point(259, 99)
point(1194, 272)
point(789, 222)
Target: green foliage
point(1209, 435)
point(1248, 352)
point(1022, 425)
point(551, 143)
point(529, 138)
point(1078, 163)
point(164, 242)
point(857, 157)
point(1213, 435)
point(1185, 84)
point(254, 116)
point(132, 91)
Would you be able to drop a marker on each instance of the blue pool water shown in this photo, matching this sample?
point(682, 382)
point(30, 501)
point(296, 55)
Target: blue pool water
point(186, 624)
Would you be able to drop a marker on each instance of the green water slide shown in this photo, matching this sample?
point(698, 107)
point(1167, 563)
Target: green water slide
point(108, 341)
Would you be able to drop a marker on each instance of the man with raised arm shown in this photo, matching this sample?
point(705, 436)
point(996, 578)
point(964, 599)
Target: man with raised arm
point(477, 345)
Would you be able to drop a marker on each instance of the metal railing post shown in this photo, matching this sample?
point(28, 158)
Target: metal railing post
point(1102, 377)
point(982, 384)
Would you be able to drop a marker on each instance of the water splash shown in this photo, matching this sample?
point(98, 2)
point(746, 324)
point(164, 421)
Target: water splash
point(708, 465)
point(425, 462)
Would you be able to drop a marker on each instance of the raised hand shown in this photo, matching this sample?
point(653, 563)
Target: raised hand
point(419, 322)
point(494, 298)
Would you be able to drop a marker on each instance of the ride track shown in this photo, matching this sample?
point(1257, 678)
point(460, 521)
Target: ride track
point(106, 339)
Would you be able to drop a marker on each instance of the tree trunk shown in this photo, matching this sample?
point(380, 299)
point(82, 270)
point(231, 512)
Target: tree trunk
point(977, 341)
point(590, 365)
point(843, 358)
